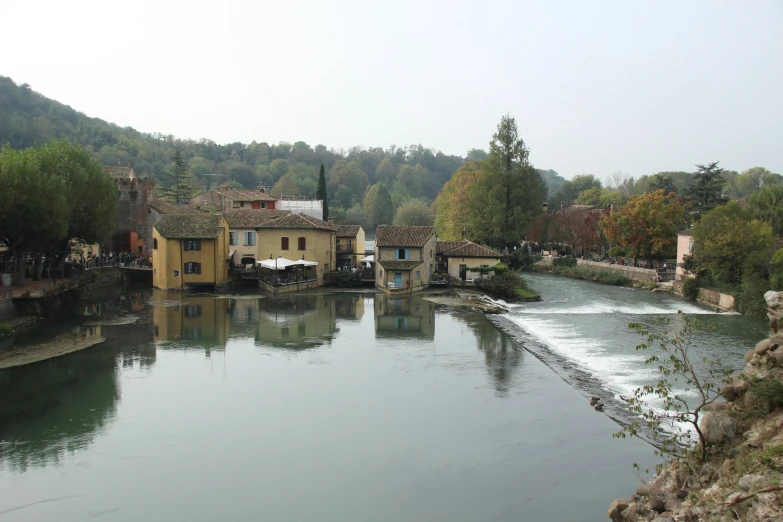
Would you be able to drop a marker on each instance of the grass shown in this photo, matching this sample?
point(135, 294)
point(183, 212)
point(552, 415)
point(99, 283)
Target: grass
point(527, 294)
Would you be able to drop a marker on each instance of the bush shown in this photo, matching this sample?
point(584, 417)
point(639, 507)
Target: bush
point(505, 285)
point(521, 259)
point(690, 288)
point(6, 328)
point(769, 391)
point(564, 262)
point(343, 279)
point(755, 282)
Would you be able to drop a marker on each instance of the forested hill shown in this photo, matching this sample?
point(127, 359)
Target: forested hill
point(27, 117)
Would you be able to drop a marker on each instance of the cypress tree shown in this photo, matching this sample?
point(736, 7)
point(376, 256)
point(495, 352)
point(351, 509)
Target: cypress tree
point(320, 192)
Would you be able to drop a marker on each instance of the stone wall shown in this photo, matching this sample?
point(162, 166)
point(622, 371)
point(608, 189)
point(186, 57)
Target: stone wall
point(711, 297)
point(7, 312)
point(635, 274)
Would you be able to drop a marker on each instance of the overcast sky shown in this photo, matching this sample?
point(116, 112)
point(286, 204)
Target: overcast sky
point(595, 87)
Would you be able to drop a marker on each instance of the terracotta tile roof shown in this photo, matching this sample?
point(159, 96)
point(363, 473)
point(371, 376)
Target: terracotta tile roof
point(394, 236)
point(298, 221)
point(252, 218)
point(399, 265)
point(470, 249)
point(119, 172)
point(244, 194)
point(164, 207)
point(441, 247)
point(187, 226)
point(347, 230)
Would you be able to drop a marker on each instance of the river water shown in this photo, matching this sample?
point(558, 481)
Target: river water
point(333, 407)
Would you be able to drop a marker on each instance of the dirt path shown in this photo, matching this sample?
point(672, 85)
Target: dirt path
point(62, 344)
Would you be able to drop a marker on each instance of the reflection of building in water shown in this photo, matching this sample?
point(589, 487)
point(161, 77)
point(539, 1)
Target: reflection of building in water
point(203, 321)
point(132, 302)
point(404, 317)
point(296, 321)
point(348, 306)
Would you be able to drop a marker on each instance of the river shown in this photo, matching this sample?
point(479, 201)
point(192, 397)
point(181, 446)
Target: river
point(333, 407)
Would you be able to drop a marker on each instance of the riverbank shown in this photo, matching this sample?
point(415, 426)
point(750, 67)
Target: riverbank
point(740, 479)
point(63, 344)
point(597, 275)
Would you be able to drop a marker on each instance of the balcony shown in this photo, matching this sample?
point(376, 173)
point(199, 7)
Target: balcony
point(345, 249)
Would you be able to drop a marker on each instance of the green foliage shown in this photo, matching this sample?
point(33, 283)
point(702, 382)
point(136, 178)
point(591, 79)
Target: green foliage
point(769, 391)
point(414, 212)
point(706, 192)
point(755, 283)
point(321, 191)
point(456, 202)
point(180, 185)
point(504, 285)
point(508, 193)
point(570, 190)
point(767, 206)
point(6, 328)
point(723, 239)
point(564, 262)
point(690, 288)
point(662, 181)
point(343, 279)
point(378, 204)
point(672, 341)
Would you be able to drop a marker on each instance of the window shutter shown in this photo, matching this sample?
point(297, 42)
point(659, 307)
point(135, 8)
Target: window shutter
point(284, 243)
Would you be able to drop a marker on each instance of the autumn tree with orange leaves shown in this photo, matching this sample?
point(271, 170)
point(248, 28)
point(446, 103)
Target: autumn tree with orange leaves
point(646, 226)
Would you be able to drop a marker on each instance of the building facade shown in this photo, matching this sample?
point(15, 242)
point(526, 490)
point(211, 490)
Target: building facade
point(404, 257)
point(460, 258)
point(189, 250)
point(350, 246)
point(243, 227)
point(684, 248)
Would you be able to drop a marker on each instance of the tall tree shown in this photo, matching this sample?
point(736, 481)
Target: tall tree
point(378, 204)
point(646, 226)
point(182, 184)
point(661, 181)
point(510, 189)
point(767, 206)
point(707, 189)
point(455, 203)
point(320, 192)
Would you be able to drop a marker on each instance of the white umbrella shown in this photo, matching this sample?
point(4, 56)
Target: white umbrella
point(276, 264)
point(368, 259)
point(302, 262)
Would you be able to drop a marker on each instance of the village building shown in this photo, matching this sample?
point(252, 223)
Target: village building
point(243, 226)
point(350, 246)
point(202, 320)
point(131, 229)
point(404, 257)
point(159, 207)
point(460, 258)
point(227, 198)
point(684, 248)
point(189, 250)
point(399, 317)
point(299, 237)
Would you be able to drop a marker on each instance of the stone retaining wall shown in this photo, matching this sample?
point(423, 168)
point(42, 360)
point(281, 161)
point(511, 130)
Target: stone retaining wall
point(635, 274)
point(711, 297)
point(7, 312)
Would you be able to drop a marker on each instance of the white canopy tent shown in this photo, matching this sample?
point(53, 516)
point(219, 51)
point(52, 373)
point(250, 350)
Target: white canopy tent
point(282, 263)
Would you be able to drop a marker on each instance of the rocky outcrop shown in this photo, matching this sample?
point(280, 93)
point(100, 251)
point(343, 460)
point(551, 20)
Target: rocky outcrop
point(742, 475)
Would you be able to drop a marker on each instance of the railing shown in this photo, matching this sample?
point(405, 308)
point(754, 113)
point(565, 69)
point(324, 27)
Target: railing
point(284, 287)
point(344, 249)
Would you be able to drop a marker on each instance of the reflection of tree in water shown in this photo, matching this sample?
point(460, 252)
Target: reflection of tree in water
point(55, 406)
point(59, 405)
point(502, 354)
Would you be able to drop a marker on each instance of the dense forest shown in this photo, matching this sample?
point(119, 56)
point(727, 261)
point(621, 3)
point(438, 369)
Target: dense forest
point(412, 174)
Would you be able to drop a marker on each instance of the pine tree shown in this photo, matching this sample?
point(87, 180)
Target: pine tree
point(320, 192)
point(182, 183)
point(707, 189)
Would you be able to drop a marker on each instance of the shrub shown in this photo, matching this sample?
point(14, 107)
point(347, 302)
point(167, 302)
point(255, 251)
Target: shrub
point(521, 259)
point(769, 391)
point(505, 285)
point(6, 328)
point(343, 279)
point(690, 288)
point(564, 262)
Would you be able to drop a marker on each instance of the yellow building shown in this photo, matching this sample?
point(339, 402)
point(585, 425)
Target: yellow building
point(296, 237)
point(189, 250)
point(350, 246)
point(458, 258)
point(243, 225)
point(404, 257)
point(404, 316)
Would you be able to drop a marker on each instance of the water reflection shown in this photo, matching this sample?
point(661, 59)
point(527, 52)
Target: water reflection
point(190, 321)
point(296, 322)
point(58, 406)
point(409, 316)
point(502, 354)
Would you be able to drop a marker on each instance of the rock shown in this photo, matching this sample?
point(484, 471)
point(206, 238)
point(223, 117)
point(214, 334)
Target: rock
point(751, 482)
point(762, 346)
point(657, 501)
point(717, 427)
point(643, 490)
point(778, 357)
point(774, 303)
point(661, 519)
point(616, 510)
point(749, 355)
point(599, 406)
point(732, 392)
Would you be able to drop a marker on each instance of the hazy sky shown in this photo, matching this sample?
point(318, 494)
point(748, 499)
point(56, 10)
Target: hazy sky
point(595, 87)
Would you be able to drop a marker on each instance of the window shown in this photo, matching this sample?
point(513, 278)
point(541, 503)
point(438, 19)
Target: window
point(192, 244)
point(242, 205)
point(302, 243)
point(402, 253)
point(192, 268)
point(283, 243)
point(348, 245)
point(192, 310)
point(154, 243)
point(176, 273)
point(249, 238)
point(232, 238)
point(380, 272)
point(418, 274)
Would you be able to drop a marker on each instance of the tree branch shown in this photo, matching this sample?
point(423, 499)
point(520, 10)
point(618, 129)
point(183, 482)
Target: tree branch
point(743, 498)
